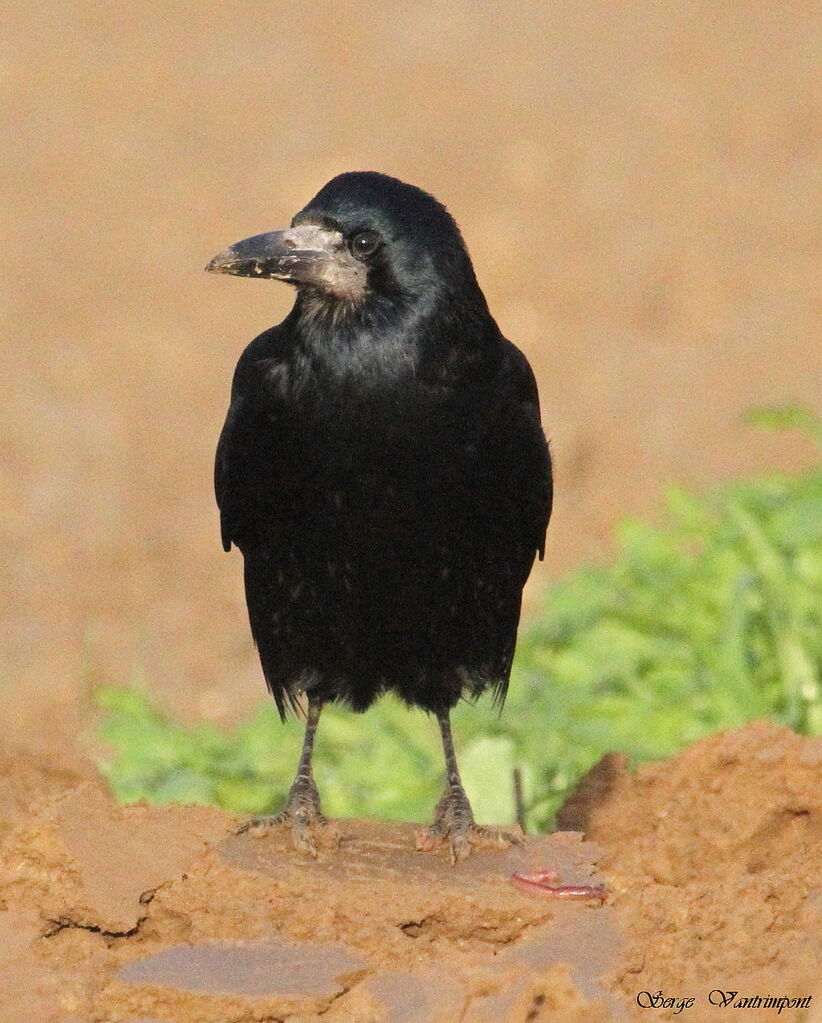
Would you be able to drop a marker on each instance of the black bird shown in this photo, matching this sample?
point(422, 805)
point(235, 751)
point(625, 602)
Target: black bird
point(383, 470)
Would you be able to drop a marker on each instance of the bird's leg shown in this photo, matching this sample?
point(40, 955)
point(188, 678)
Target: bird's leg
point(453, 818)
point(302, 808)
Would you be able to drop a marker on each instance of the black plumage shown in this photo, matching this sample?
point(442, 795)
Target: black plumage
point(383, 470)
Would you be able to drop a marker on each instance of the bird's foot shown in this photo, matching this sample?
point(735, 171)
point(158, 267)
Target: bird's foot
point(454, 821)
point(301, 813)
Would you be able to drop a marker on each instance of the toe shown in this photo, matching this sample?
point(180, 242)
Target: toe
point(460, 846)
point(428, 839)
point(302, 838)
point(494, 838)
point(257, 826)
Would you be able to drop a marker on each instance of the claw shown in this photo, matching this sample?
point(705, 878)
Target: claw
point(304, 829)
point(454, 821)
point(302, 814)
point(428, 839)
point(460, 847)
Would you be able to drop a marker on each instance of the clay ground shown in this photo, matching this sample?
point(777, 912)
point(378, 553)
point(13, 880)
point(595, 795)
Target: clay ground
point(638, 185)
point(711, 862)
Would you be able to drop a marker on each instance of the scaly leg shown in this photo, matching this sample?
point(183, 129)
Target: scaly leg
point(453, 818)
point(302, 809)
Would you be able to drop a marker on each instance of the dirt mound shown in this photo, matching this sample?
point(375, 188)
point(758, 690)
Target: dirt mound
point(714, 860)
point(131, 914)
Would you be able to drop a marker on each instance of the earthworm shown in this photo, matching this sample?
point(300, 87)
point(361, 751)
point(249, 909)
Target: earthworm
point(540, 883)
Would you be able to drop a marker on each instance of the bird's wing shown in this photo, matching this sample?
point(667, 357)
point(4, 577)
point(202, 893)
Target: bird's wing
point(529, 450)
point(245, 464)
point(224, 475)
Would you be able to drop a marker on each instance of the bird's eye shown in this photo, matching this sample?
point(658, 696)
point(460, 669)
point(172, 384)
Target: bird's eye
point(364, 244)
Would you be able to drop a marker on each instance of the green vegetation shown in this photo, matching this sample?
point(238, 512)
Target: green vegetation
point(703, 623)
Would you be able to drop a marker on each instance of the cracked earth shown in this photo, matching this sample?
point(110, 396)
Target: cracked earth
point(152, 915)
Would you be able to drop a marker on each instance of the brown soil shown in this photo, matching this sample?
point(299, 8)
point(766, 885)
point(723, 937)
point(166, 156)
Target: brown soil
point(712, 862)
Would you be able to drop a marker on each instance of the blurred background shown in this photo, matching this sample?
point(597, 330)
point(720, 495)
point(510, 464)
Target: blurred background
point(638, 185)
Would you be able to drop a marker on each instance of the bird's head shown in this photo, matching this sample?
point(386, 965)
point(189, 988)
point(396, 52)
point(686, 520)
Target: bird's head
point(364, 235)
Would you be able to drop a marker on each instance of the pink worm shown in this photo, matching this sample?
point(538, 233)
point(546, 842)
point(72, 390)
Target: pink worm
point(540, 883)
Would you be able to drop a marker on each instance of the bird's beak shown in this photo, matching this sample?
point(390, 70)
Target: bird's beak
point(300, 254)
